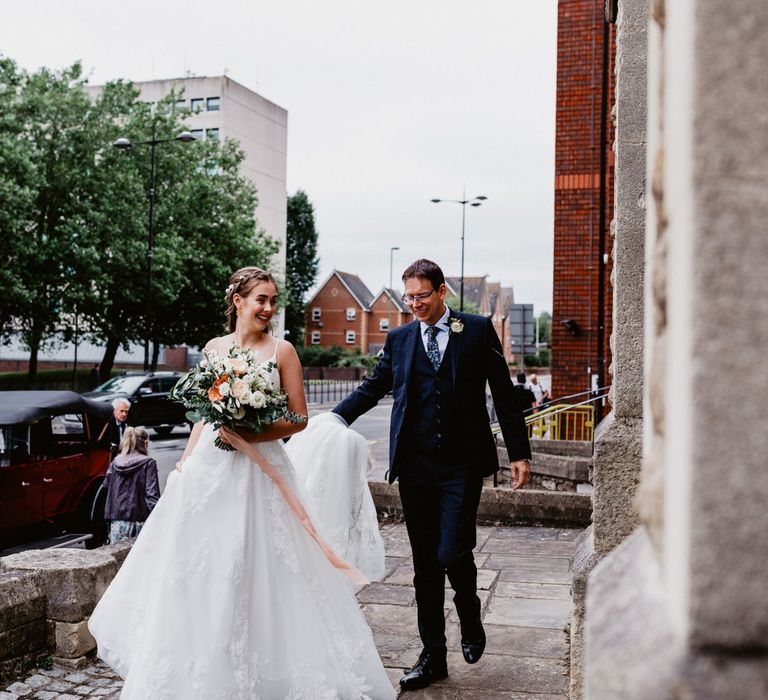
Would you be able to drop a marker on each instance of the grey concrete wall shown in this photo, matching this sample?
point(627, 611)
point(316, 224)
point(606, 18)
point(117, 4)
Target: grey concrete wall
point(729, 326)
point(618, 440)
point(680, 610)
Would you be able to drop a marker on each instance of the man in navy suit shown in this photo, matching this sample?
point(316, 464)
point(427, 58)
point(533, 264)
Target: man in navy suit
point(441, 448)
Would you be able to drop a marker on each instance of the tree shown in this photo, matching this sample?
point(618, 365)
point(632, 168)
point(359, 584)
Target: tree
point(74, 223)
point(545, 327)
point(301, 263)
point(50, 115)
point(204, 228)
point(453, 302)
point(16, 194)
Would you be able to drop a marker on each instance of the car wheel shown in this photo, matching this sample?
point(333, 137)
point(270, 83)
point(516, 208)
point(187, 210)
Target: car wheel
point(163, 430)
point(97, 526)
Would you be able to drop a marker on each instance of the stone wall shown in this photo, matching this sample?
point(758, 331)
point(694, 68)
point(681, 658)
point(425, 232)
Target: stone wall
point(680, 608)
point(618, 439)
point(46, 598)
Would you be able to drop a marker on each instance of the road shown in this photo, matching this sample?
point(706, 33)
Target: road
point(373, 426)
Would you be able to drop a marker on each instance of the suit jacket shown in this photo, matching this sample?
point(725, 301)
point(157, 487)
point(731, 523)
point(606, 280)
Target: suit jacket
point(477, 359)
point(114, 431)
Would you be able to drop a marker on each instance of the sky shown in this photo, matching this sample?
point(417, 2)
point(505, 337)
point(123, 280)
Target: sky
point(389, 105)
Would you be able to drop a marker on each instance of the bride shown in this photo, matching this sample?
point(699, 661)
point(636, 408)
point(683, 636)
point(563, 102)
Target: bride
point(228, 593)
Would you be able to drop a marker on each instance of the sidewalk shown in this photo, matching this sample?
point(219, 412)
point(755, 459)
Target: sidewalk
point(525, 591)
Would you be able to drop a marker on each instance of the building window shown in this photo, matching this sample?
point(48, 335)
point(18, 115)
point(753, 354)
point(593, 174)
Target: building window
point(197, 104)
point(212, 134)
point(315, 338)
point(351, 335)
point(179, 105)
point(351, 314)
point(213, 104)
point(198, 134)
point(384, 324)
point(316, 314)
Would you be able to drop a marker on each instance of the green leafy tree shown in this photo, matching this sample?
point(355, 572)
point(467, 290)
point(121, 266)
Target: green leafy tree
point(204, 228)
point(301, 263)
point(52, 116)
point(16, 192)
point(545, 327)
point(453, 302)
point(74, 224)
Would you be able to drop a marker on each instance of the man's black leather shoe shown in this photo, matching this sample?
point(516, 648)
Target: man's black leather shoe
point(428, 669)
point(474, 646)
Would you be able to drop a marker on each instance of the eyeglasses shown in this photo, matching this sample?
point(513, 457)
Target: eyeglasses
point(413, 298)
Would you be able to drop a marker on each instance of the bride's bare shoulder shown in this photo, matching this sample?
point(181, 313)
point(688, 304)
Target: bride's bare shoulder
point(217, 344)
point(285, 350)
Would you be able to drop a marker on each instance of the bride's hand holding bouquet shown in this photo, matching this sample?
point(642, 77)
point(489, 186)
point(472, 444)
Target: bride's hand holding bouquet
point(235, 392)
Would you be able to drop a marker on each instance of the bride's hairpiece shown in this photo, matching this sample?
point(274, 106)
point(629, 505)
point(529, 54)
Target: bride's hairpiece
point(230, 290)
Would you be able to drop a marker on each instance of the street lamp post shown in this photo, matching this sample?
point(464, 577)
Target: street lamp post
point(475, 202)
point(391, 259)
point(125, 144)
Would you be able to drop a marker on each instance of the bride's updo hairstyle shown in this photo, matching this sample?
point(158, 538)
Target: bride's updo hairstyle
point(242, 282)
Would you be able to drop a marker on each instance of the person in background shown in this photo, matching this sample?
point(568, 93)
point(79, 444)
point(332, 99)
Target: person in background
point(525, 397)
point(541, 394)
point(132, 486)
point(118, 423)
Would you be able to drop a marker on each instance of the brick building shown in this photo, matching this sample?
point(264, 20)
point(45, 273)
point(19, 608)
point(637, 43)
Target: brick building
point(583, 198)
point(388, 311)
point(338, 313)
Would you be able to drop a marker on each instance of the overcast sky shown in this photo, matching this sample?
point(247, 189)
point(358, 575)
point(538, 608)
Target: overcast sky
point(389, 105)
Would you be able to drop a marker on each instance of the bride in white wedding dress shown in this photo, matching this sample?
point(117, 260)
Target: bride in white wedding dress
point(227, 593)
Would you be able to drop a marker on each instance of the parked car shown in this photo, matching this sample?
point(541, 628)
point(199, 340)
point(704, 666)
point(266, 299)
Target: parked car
point(52, 465)
point(148, 394)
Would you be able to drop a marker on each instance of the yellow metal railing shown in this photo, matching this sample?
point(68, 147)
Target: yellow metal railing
point(562, 422)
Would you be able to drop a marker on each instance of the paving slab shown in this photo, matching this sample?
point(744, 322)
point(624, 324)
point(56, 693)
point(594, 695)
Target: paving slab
point(524, 586)
point(542, 613)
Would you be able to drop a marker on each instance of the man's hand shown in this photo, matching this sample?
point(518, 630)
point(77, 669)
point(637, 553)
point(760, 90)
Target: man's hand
point(519, 473)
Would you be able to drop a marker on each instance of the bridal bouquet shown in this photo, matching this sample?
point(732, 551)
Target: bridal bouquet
point(234, 391)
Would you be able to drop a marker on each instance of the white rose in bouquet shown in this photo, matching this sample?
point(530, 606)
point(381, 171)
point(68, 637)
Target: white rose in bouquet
point(239, 389)
point(258, 399)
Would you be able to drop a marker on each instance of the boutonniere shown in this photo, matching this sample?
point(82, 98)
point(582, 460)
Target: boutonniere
point(455, 325)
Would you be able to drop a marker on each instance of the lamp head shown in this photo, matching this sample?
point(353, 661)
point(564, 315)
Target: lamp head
point(435, 201)
point(122, 143)
point(571, 326)
point(481, 197)
point(186, 137)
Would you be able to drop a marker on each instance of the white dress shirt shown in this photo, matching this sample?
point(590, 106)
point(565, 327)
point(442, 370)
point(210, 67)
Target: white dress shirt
point(441, 337)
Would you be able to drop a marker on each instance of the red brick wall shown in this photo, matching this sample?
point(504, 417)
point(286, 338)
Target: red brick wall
point(577, 195)
point(334, 300)
point(384, 308)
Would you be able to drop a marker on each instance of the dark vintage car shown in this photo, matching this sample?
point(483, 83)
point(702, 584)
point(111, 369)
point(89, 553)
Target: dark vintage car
point(148, 394)
point(52, 465)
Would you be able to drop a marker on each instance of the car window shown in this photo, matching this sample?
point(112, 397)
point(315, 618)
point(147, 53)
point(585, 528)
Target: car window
point(14, 444)
point(121, 385)
point(167, 383)
point(153, 384)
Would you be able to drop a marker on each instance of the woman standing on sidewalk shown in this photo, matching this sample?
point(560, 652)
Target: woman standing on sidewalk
point(132, 486)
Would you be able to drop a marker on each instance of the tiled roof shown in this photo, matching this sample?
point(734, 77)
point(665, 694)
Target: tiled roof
point(494, 292)
point(473, 288)
point(357, 288)
point(397, 299)
point(507, 299)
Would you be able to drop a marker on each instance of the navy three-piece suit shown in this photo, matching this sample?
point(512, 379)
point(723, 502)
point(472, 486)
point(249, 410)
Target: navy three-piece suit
point(441, 447)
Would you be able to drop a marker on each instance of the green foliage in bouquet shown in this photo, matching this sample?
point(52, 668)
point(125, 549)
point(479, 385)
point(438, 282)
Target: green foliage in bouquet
point(235, 391)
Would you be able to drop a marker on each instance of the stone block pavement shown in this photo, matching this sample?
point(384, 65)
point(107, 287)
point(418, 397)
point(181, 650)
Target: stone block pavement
point(524, 582)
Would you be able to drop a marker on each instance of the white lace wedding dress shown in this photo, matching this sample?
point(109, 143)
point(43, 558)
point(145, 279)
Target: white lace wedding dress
point(331, 462)
point(226, 596)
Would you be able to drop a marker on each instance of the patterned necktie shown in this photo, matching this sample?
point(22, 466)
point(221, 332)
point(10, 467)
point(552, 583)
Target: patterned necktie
point(433, 351)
